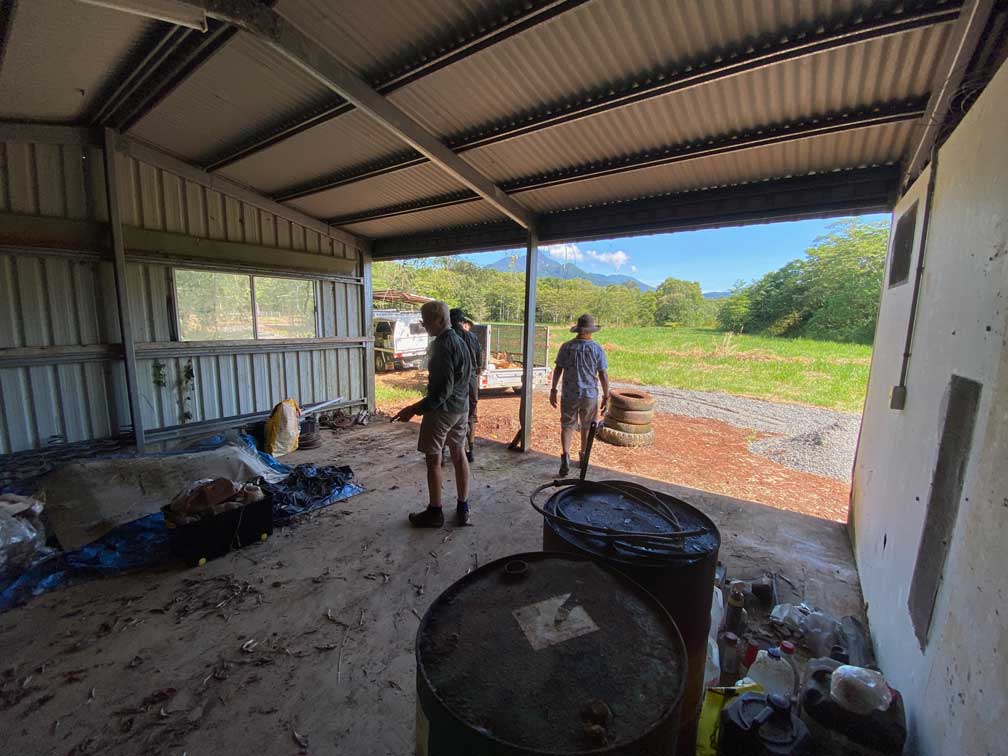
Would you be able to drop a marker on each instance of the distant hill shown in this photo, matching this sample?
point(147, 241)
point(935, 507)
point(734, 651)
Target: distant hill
point(550, 268)
point(716, 294)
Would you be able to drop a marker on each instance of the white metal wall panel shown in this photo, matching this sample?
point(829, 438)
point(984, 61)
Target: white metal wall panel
point(47, 301)
point(157, 199)
point(52, 180)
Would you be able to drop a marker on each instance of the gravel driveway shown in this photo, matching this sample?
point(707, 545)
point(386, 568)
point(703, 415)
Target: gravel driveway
point(809, 439)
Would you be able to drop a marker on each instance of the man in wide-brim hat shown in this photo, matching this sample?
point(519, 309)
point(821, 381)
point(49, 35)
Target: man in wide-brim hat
point(581, 363)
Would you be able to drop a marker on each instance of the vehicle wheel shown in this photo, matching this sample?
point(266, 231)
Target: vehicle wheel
point(616, 425)
point(516, 389)
point(634, 401)
point(380, 362)
point(618, 438)
point(633, 417)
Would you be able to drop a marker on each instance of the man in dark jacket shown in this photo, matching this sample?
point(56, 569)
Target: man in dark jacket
point(461, 324)
point(445, 410)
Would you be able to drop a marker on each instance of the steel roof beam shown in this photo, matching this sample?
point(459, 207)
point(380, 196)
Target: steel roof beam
point(787, 46)
point(824, 195)
point(526, 16)
point(966, 37)
point(314, 59)
point(879, 115)
point(171, 60)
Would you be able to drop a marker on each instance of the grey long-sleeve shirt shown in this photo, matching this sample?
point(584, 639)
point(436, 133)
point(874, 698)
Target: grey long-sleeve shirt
point(448, 371)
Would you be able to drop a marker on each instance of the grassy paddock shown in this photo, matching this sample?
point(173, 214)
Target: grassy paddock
point(823, 373)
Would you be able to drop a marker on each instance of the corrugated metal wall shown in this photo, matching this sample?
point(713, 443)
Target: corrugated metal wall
point(61, 374)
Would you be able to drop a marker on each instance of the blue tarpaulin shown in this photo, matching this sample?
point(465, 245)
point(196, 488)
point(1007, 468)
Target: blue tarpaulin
point(146, 541)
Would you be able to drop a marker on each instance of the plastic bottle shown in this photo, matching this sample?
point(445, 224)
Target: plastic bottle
point(734, 622)
point(730, 658)
point(772, 673)
point(788, 653)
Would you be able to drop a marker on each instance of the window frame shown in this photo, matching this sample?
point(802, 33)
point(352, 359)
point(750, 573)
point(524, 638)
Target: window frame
point(177, 314)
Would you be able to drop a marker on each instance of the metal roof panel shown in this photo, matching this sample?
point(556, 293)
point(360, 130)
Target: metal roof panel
point(479, 211)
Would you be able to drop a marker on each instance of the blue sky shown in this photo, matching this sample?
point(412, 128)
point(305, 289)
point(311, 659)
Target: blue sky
point(717, 258)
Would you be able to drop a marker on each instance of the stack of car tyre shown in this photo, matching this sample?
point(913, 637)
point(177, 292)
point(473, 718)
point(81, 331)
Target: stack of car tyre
point(628, 419)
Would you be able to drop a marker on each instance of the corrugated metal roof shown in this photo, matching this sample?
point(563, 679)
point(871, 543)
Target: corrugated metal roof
point(374, 37)
point(238, 90)
point(883, 70)
point(862, 147)
point(594, 45)
point(338, 144)
point(61, 55)
point(427, 180)
point(479, 211)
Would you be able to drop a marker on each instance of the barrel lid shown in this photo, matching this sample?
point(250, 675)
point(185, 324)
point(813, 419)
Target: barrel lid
point(621, 506)
point(540, 650)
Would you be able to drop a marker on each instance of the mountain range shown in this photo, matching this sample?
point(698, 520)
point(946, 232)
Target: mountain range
point(550, 268)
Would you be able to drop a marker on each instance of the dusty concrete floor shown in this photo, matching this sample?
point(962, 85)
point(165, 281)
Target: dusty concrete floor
point(312, 632)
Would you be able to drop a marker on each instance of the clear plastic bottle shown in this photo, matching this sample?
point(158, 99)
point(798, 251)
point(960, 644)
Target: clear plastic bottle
point(773, 673)
point(788, 654)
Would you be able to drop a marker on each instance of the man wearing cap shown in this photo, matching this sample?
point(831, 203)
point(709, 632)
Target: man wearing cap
point(581, 363)
point(461, 324)
point(444, 409)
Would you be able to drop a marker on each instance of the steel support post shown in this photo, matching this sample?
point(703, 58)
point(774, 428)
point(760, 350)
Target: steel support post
point(367, 328)
point(122, 289)
point(528, 341)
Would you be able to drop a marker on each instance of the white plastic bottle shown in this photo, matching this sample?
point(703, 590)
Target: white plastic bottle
point(773, 673)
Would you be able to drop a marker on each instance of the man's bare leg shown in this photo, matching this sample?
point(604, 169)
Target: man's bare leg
point(566, 434)
point(432, 517)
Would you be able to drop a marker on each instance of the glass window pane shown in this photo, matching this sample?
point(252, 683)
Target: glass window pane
point(285, 308)
point(213, 306)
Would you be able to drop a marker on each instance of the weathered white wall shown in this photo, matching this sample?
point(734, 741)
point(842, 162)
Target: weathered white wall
point(956, 688)
point(61, 374)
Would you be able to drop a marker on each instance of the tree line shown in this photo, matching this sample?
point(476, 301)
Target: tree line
point(832, 293)
point(499, 296)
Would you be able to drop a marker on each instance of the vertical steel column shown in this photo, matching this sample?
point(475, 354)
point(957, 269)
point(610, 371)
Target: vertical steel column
point(528, 341)
point(122, 293)
point(367, 328)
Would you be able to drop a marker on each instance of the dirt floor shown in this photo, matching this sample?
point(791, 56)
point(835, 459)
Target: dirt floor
point(304, 643)
point(688, 451)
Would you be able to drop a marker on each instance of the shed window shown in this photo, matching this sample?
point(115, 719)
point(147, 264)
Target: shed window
point(902, 247)
point(215, 306)
point(285, 308)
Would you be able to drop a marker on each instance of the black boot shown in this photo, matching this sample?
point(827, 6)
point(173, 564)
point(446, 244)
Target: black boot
point(432, 517)
point(462, 512)
point(564, 466)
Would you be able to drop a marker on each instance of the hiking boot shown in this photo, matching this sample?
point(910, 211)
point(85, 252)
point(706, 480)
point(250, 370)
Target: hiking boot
point(462, 513)
point(432, 517)
point(564, 466)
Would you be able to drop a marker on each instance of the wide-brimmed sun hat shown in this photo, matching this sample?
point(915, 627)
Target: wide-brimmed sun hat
point(585, 324)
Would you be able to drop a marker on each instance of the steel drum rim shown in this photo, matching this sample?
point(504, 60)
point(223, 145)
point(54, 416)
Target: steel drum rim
point(529, 557)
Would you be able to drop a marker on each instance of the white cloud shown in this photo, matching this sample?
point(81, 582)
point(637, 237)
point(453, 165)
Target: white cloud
point(633, 268)
point(617, 259)
point(572, 253)
point(565, 252)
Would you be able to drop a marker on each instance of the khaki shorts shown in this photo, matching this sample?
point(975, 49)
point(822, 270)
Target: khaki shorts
point(578, 411)
point(439, 429)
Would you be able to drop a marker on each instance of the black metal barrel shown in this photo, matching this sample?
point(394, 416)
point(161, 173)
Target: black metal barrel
point(661, 542)
point(547, 654)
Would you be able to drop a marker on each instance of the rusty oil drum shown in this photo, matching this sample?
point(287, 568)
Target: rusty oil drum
point(679, 572)
point(547, 654)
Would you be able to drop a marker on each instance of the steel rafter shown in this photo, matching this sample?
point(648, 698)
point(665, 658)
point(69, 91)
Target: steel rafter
point(879, 115)
point(316, 60)
point(171, 59)
point(851, 191)
point(521, 18)
point(788, 46)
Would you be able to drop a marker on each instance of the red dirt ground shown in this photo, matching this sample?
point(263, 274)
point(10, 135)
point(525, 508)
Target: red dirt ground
point(696, 452)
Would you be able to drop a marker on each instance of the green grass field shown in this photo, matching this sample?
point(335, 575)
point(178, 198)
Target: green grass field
point(823, 373)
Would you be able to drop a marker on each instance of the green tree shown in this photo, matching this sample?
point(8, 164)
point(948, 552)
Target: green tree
point(733, 312)
point(678, 302)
